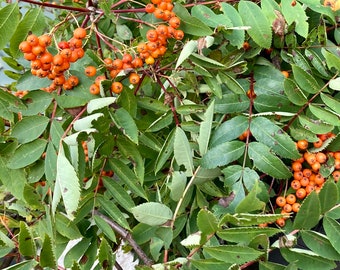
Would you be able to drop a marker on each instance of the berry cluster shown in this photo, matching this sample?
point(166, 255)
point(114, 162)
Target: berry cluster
point(306, 174)
point(147, 52)
point(45, 64)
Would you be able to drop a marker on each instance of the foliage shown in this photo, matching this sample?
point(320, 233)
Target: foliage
point(185, 162)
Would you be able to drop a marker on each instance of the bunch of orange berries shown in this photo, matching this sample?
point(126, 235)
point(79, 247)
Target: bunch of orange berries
point(45, 64)
point(306, 174)
point(147, 52)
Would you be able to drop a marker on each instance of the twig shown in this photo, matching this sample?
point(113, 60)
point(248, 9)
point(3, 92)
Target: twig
point(126, 236)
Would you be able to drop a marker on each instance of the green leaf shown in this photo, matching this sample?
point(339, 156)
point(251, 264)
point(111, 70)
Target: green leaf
point(183, 152)
point(253, 16)
point(315, 126)
point(125, 123)
point(37, 102)
point(324, 115)
point(127, 177)
point(294, 93)
point(30, 128)
point(236, 36)
point(332, 60)
point(233, 254)
point(271, 266)
point(86, 122)
point(121, 196)
point(34, 20)
point(177, 185)
point(317, 63)
point(214, 85)
point(13, 180)
point(205, 129)
point(187, 50)
point(50, 163)
point(47, 254)
point(113, 211)
point(231, 103)
point(229, 130)
point(306, 260)
point(328, 196)
point(166, 151)
point(208, 17)
point(27, 245)
point(319, 244)
point(105, 228)
point(9, 20)
point(335, 84)
point(251, 203)
point(268, 163)
point(191, 25)
point(153, 105)
point(142, 233)
point(331, 102)
point(209, 264)
point(296, 13)
point(152, 213)
point(66, 227)
point(105, 256)
point(67, 183)
point(245, 234)
point(206, 61)
point(25, 265)
point(231, 83)
point(206, 222)
point(309, 213)
point(32, 198)
point(124, 32)
point(246, 219)
point(332, 229)
point(99, 103)
point(160, 123)
point(205, 175)
point(27, 153)
point(128, 101)
point(223, 154)
point(266, 132)
point(305, 80)
point(76, 252)
point(5, 113)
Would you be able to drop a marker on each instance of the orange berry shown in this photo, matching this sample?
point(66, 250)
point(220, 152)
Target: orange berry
point(25, 47)
point(295, 184)
point(337, 164)
point(304, 181)
point(117, 64)
point(127, 58)
point(302, 144)
point(149, 8)
point(296, 166)
point(310, 158)
point(318, 143)
point(319, 179)
point(151, 46)
point(287, 208)
point(33, 40)
point(94, 89)
point(162, 30)
point(175, 22)
point(151, 35)
point(281, 222)
point(316, 166)
point(280, 201)
point(38, 50)
point(137, 62)
point(336, 155)
point(301, 193)
point(298, 175)
point(108, 63)
point(134, 78)
point(99, 79)
point(114, 73)
point(45, 40)
point(59, 80)
point(296, 207)
point(158, 13)
point(336, 175)
point(323, 137)
point(309, 188)
point(307, 172)
point(79, 33)
point(74, 81)
point(149, 60)
point(321, 157)
point(116, 87)
point(75, 43)
point(90, 71)
point(156, 2)
point(179, 34)
point(285, 73)
point(66, 53)
point(58, 60)
point(290, 198)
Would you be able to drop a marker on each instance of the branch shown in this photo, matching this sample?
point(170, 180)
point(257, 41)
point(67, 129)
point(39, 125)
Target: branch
point(126, 236)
